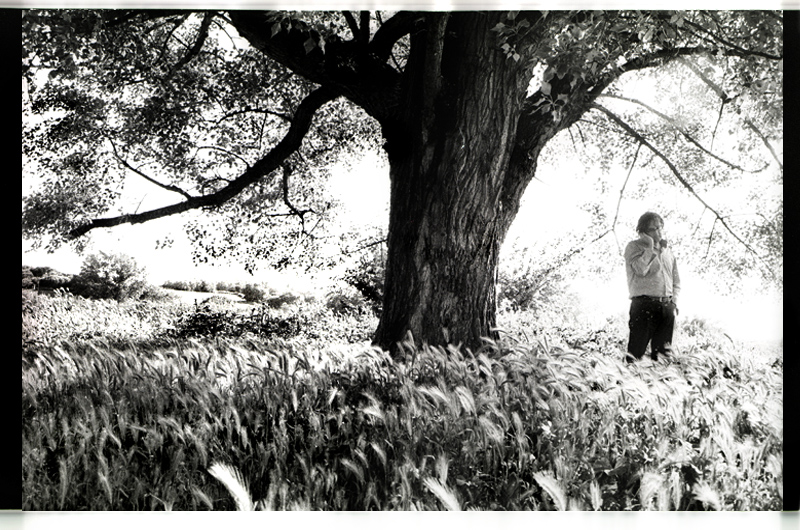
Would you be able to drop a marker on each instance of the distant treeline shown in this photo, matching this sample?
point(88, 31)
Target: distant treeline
point(44, 278)
point(251, 292)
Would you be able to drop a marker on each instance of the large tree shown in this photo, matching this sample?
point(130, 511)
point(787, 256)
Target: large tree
point(238, 110)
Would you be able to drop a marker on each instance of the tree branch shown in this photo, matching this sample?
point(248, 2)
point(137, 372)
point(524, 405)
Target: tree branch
point(364, 37)
point(352, 24)
point(391, 31)
point(678, 128)
point(569, 255)
point(287, 171)
point(221, 150)
point(364, 78)
point(621, 193)
point(765, 141)
point(707, 80)
point(148, 178)
point(725, 99)
point(202, 34)
point(734, 49)
point(175, 27)
point(271, 161)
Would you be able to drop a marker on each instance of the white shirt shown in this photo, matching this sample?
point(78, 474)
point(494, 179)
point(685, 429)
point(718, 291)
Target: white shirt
point(651, 271)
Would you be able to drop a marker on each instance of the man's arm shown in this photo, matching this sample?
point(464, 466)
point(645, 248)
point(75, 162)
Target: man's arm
point(640, 257)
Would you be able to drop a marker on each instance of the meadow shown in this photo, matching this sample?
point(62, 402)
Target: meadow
point(158, 405)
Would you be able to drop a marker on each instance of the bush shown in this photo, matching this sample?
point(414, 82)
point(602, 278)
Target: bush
point(54, 280)
point(38, 272)
point(522, 289)
point(156, 294)
point(204, 286)
point(367, 278)
point(253, 293)
point(346, 303)
point(209, 319)
point(228, 287)
point(276, 302)
point(109, 276)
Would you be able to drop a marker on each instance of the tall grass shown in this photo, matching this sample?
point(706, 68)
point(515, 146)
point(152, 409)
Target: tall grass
point(513, 426)
point(546, 419)
point(47, 319)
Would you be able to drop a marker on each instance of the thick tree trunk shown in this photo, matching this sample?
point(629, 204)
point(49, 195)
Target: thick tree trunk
point(453, 197)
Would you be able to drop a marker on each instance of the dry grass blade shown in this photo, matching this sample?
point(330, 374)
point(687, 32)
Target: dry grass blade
point(202, 497)
point(597, 496)
point(233, 480)
point(353, 468)
point(650, 485)
point(443, 493)
point(705, 494)
point(103, 478)
point(466, 399)
point(549, 484)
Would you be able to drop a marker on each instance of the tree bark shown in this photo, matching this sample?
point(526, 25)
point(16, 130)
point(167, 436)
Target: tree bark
point(453, 197)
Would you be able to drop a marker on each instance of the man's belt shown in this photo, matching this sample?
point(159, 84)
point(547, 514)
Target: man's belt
point(654, 298)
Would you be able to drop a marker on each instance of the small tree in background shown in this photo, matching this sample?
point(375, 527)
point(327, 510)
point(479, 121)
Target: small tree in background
point(368, 274)
point(253, 293)
point(109, 276)
point(532, 279)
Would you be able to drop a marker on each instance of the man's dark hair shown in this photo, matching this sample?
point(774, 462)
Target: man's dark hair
point(646, 219)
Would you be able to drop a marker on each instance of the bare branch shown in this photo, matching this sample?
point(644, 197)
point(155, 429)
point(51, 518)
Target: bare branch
point(765, 141)
point(148, 178)
point(569, 255)
point(707, 80)
point(365, 246)
point(220, 149)
point(678, 128)
point(710, 237)
point(364, 36)
point(621, 193)
point(735, 50)
point(287, 171)
point(248, 110)
point(271, 161)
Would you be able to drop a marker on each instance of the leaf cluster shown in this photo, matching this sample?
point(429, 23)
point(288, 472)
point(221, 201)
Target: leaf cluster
point(177, 99)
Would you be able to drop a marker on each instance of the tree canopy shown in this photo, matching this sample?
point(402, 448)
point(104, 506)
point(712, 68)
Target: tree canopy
point(242, 113)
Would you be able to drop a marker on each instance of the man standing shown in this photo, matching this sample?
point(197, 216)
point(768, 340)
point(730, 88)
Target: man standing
point(654, 285)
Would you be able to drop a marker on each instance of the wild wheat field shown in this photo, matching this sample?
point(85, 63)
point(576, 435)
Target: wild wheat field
point(158, 405)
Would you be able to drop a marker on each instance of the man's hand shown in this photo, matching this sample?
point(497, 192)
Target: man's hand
point(647, 240)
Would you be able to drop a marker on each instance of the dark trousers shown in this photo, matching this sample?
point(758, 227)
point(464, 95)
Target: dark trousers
point(651, 321)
